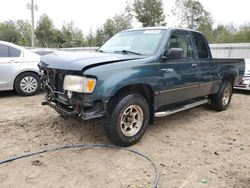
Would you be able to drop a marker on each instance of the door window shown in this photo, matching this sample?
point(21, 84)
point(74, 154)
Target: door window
point(182, 41)
point(14, 52)
point(201, 45)
point(4, 51)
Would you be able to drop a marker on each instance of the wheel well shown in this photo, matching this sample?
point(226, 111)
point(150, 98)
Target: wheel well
point(230, 78)
point(22, 73)
point(142, 89)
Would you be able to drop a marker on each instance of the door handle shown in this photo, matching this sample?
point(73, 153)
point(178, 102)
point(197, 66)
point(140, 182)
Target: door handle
point(194, 65)
point(13, 61)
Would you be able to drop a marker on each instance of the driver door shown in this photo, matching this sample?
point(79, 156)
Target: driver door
point(179, 71)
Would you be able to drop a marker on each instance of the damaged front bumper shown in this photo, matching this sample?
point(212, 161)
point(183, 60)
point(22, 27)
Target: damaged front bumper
point(68, 103)
point(75, 107)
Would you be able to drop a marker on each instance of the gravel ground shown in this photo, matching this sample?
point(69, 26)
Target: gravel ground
point(195, 148)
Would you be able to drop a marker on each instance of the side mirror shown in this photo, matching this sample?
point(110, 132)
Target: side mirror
point(173, 53)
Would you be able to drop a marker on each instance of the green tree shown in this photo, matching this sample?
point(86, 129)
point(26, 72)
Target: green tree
point(123, 21)
point(149, 12)
point(109, 28)
point(100, 37)
point(222, 34)
point(45, 31)
point(58, 39)
point(207, 29)
point(91, 39)
point(114, 25)
point(24, 28)
point(191, 14)
point(9, 32)
point(243, 35)
point(231, 34)
point(73, 36)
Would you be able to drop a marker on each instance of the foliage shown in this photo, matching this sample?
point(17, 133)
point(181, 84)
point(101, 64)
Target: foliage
point(91, 39)
point(222, 34)
point(207, 30)
point(243, 34)
point(9, 31)
point(58, 38)
point(114, 25)
point(45, 31)
point(149, 12)
point(24, 28)
point(231, 34)
point(73, 36)
point(191, 14)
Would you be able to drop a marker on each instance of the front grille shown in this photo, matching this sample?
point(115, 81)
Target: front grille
point(59, 78)
point(54, 79)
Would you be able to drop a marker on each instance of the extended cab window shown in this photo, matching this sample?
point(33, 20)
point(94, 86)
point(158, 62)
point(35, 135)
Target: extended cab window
point(201, 45)
point(4, 51)
point(181, 40)
point(14, 52)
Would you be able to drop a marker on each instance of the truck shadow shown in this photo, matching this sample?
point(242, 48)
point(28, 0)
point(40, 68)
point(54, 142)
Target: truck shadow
point(70, 130)
point(12, 93)
point(8, 94)
point(244, 92)
point(181, 118)
point(92, 131)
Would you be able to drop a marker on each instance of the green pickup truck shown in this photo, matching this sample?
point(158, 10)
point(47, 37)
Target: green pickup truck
point(136, 76)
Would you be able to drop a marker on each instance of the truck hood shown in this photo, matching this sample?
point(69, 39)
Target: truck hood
point(78, 61)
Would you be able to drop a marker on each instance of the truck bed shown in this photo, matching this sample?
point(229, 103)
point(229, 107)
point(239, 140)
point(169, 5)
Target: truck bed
point(229, 60)
point(234, 66)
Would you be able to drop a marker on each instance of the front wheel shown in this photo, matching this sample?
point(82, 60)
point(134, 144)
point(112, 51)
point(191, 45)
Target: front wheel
point(222, 99)
point(128, 120)
point(27, 84)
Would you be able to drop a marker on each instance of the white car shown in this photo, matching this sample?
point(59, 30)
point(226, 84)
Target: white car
point(19, 69)
point(245, 84)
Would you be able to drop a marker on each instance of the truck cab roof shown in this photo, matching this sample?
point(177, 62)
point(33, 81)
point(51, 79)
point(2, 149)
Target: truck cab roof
point(161, 28)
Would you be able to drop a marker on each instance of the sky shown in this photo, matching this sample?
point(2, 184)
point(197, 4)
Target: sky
point(90, 14)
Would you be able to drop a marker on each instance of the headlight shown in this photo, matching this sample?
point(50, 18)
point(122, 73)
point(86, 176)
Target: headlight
point(79, 84)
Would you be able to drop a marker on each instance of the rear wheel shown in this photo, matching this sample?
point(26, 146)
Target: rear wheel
point(222, 99)
point(127, 120)
point(27, 84)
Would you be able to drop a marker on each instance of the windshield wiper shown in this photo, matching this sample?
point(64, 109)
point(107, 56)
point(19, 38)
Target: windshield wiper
point(127, 52)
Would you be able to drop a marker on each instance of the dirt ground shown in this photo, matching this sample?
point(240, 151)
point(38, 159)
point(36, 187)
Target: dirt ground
point(195, 148)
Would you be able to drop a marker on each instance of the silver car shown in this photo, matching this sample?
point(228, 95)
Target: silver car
point(245, 84)
point(18, 69)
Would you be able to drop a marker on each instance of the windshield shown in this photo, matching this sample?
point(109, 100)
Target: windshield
point(143, 42)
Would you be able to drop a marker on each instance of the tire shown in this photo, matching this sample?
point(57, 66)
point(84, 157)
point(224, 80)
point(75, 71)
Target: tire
point(127, 120)
point(222, 99)
point(27, 84)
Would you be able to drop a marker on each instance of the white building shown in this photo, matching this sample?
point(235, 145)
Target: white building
point(231, 50)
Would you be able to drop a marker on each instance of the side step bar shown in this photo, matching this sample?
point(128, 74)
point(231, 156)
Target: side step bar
point(182, 108)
